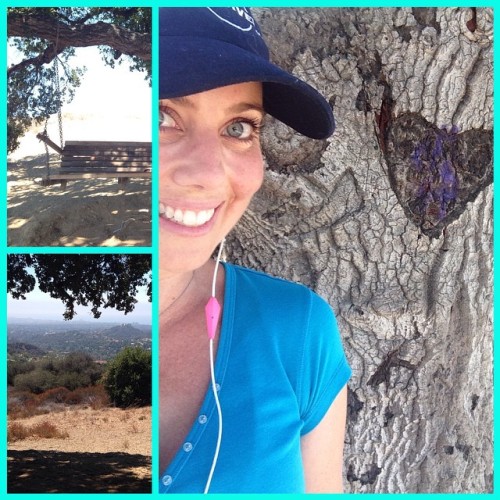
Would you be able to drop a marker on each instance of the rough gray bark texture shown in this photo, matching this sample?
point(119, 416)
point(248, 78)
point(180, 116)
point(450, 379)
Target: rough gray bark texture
point(391, 221)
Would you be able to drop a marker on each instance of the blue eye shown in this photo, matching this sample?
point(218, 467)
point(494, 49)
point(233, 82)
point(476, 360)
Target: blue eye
point(241, 129)
point(166, 120)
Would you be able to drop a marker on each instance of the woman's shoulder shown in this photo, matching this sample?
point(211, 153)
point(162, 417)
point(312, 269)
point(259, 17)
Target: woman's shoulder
point(264, 281)
point(279, 292)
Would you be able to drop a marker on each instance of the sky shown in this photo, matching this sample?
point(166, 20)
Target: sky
point(39, 305)
point(110, 104)
point(116, 93)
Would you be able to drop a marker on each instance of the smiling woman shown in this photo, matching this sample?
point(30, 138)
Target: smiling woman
point(211, 166)
point(279, 378)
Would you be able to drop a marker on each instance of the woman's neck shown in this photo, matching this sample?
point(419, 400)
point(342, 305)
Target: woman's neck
point(181, 291)
point(174, 288)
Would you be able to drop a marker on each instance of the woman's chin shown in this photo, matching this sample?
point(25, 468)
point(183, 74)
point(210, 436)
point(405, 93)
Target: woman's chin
point(183, 260)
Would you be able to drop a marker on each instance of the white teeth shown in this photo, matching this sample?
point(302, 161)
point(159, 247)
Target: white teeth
point(178, 215)
point(186, 218)
point(203, 217)
point(189, 218)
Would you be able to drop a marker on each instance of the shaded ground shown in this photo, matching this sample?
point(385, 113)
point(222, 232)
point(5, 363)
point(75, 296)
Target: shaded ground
point(35, 471)
point(93, 212)
point(108, 450)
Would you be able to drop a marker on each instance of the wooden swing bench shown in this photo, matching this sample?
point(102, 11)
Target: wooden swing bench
point(99, 159)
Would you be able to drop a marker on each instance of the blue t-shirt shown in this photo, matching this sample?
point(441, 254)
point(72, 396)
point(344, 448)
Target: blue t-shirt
point(280, 364)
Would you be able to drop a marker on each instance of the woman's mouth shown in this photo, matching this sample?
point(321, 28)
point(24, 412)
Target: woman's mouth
point(189, 218)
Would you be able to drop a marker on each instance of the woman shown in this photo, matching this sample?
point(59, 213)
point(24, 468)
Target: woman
point(280, 372)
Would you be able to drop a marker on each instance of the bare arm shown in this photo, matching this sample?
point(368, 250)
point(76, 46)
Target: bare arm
point(323, 449)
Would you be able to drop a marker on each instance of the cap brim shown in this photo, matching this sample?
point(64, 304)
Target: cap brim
point(189, 66)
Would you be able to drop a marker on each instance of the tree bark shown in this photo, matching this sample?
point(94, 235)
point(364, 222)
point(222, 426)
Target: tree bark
point(391, 221)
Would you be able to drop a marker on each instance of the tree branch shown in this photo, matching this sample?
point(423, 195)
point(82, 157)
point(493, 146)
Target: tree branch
point(44, 58)
point(83, 35)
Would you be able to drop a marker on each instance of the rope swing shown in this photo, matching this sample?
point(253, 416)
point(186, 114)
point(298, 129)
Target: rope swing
point(44, 136)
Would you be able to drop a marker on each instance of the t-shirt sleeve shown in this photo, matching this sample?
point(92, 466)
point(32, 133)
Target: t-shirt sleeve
point(324, 367)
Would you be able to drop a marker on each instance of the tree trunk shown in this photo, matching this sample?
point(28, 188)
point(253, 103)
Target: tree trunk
point(391, 221)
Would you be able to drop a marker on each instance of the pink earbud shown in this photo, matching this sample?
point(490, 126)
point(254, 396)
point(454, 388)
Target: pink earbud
point(212, 313)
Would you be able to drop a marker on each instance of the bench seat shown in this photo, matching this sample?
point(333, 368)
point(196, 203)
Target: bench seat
point(100, 159)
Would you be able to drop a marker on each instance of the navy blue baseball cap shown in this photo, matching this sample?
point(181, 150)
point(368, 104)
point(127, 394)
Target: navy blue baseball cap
point(205, 48)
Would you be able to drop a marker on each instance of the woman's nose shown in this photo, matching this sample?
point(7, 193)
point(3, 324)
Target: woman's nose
point(202, 164)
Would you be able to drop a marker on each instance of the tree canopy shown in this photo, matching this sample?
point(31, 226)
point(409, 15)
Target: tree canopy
point(46, 38)
point(99, 281)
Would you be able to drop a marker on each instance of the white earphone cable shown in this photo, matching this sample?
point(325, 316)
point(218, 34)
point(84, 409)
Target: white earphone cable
point(219, 412)
point(217, 262)
point(214, 384)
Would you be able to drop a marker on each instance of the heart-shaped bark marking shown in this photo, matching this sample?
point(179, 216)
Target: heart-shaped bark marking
point(435, 171)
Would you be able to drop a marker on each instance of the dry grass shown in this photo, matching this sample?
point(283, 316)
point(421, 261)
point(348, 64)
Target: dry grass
point(83, 429)
point(24, 404)
point(76, 421)
point(45, 429)
point(95, 452)
point(16, 432)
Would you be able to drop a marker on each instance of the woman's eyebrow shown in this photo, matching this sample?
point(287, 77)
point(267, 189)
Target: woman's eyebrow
point(185, 101)
point(239, 107)
point(246, 106)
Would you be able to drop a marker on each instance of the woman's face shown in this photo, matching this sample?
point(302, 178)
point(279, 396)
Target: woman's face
point(210, 167)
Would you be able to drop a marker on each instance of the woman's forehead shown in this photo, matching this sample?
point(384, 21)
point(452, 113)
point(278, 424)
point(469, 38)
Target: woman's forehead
point(238, 97)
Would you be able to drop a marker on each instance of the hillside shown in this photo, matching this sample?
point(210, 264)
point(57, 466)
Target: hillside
point(101, 342)
point(22, 349)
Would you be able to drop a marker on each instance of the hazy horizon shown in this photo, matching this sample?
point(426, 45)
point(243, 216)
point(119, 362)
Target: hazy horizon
point(40, 306)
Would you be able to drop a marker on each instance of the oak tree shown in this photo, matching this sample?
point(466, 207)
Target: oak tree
point(46, 38)
point(95, 280)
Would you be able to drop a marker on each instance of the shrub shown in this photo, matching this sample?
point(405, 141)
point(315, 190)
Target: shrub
point(47, 364)
point(26, 404)
point(36, 381)
point(45, 429)
point(75, 362)
point(48, 430)
point(16, 368)
point(19, 397)
point(128, 378)
point(74, 370)
point(17, 432)
point(22, 404)
point(55, 395)
point(73, 380)
point(95, 396)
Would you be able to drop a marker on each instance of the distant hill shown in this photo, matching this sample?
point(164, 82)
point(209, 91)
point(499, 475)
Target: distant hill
point(125, 331)
point(62, 338)
point(21, 348)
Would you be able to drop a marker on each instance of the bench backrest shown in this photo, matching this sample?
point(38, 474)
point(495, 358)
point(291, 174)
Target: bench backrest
point(106, 154)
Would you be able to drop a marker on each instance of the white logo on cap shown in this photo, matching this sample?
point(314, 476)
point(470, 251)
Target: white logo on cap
point(244, 19)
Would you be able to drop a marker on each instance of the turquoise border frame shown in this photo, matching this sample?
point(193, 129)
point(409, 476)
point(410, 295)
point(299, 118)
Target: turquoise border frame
point(87, 250)
point(3, 258)
point(4, 250)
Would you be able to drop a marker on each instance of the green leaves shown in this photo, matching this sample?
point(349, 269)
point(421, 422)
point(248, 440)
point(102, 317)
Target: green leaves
point(128, 378)
point(42, 34)
point(98, 281)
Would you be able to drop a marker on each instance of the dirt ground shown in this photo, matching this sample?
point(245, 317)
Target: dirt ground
point(91, 212)
point(108, 450)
